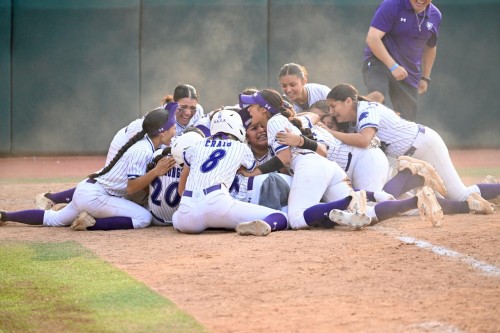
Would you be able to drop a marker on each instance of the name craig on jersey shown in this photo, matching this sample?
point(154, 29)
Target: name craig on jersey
point(218, 143)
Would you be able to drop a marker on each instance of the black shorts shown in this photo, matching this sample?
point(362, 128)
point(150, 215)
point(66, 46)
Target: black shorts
point(378, 77)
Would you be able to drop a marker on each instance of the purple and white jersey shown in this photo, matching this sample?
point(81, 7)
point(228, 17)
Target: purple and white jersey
point(131, 165)
point(277, 124)
point(406, 35)
point(179, 129)
point(216, 161)
point(394, 132)
point(122, 136)
point(315, 92)
point(164, 198)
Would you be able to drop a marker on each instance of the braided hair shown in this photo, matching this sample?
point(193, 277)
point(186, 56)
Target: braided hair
point(276, 101)
point(153, 121)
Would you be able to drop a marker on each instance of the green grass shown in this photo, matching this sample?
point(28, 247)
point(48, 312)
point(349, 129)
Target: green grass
point(478, 172)
point(64, 287)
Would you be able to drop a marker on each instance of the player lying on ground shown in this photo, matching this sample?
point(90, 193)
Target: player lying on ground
point(98, 202)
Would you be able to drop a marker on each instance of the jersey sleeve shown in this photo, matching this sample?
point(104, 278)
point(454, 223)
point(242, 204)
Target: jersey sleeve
point(137, 164)
point(277, 124)
point(248, 160)
point(368, 115)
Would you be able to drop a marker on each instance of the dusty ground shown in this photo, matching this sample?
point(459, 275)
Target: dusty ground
point(375, 280)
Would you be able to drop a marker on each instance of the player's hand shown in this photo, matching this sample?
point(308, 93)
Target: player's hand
point(244, 172)
point(422, 86)
point(164, 165)
point(288, 138)
point(400, 73)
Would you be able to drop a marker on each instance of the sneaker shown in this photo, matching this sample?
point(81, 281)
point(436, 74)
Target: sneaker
point(358, 202)
point(356, 220)
point(255, 228)
point(42, 202)
point(429, 207)
point(83, 221)
point(478, 205)
point(425, 170)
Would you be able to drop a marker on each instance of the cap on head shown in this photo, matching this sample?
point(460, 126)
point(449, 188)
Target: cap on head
point(257, 98)
point(182, 143)
point(229, 122)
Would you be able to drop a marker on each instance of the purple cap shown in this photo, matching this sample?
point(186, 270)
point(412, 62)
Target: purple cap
point(258, 99)
point(171, 108)
point(245, 117)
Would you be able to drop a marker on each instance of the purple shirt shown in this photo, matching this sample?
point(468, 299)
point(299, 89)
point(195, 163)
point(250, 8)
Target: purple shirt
point(403, 39)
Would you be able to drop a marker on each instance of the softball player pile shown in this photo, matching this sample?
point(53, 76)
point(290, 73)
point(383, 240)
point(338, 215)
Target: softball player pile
point(229, 179)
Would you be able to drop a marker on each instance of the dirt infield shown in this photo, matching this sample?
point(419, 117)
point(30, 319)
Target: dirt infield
point(399, 276)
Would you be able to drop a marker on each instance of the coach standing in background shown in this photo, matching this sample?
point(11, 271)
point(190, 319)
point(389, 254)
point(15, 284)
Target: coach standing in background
point(400, 52)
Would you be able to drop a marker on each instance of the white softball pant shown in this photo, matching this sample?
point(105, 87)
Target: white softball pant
point(94, 199)
point(216, 209)
point(430, 147)
point(314, 179)
point(369, 169)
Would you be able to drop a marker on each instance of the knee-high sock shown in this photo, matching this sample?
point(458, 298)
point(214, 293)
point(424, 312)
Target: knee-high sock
point(387, 209)
point(112, 223)
point(277, 221)
point(32, 216)
point(61, 197)
point(320, 211)
point(402, 182)
point(453, 206)
point(489, 191)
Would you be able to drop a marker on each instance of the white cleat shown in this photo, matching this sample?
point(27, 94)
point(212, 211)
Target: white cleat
point(356, 220)
point(42, 202)
point(254, 228)
point(425, 170)
point(479, 205)
point(83, 221)
point(429, 207)
point(492, 180)
point(358, 202)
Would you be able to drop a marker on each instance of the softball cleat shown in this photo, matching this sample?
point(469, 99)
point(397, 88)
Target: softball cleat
point(358, 202)
point(254, 228)
point(3, 218)
point(429, 207)
point(356, 220)
point(479, 205)
point(425, 170)
point(492, 180)
point(83, 221)
point(42, 202)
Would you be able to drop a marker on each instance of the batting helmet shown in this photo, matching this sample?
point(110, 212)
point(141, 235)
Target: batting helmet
point(226, 121)
point(182, 143)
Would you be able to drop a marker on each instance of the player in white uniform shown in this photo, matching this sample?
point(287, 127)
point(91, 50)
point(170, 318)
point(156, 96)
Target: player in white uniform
point(293, 82)
point(209, 170)
point(98, 202)
point(164, 198)
point(315, 178)
point(400, 137)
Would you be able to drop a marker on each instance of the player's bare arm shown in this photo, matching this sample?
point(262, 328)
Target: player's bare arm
point(428, 57)
point(139, 183)
point(183, 179)
point(361, 139)
point(374, 42)
point(291, 139)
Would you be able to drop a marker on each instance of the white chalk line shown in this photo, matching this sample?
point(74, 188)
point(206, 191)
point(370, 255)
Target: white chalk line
point(485, 268)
